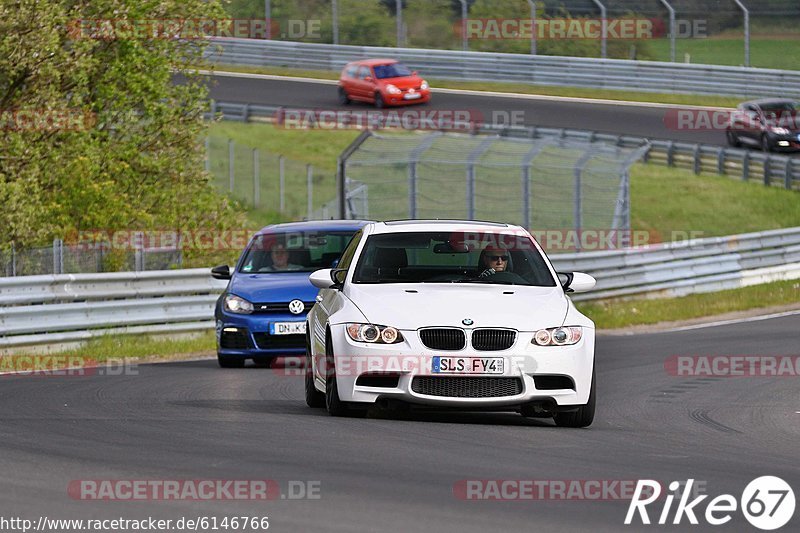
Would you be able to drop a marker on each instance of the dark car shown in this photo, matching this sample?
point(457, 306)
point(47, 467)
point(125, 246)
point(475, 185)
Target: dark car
point(770, 124)
point(261, 314)
point(382, 82)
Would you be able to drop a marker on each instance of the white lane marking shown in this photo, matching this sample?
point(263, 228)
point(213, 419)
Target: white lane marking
point(492, 94)
point(731, 321)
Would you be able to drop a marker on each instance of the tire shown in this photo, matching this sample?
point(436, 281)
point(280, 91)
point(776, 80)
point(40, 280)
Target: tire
point(765, 145)
point(334, 405)
point(379, 103)
point(230, 361)
point(733, 139)
point(343, 98)
point(314, 398)
point(583, 416)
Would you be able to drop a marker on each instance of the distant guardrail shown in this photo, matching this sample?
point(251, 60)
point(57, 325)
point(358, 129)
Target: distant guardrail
point(740, 163)
point(68, 308)
point(618, 74)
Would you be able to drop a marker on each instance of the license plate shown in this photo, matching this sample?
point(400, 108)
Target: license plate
point(412, 96)
point(287, 328)
point(467, 365)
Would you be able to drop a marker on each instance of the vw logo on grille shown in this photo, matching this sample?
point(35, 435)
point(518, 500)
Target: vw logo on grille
point(296, 307)
point(467, 322)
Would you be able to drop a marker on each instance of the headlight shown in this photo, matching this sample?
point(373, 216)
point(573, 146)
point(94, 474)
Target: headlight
point(374, 334)
point(234, 304)
point(780, 131)
point(391, 89)
point(562, 336)
point(424, 85)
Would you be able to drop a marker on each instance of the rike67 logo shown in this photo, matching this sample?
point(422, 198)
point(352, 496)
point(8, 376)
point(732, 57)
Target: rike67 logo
point(767, 502)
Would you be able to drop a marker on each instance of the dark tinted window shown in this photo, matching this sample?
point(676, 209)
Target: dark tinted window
point(294, 252)
point(395, 70)
point(451, 257)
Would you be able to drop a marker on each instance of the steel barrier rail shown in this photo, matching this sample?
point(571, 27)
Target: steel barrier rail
point(618, 74)
point(747, 165)
point(75, 307)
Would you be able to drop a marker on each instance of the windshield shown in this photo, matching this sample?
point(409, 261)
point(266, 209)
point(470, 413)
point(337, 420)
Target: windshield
point(781, 110)
point(394, 70)
point(448, 257)
point(294, 252)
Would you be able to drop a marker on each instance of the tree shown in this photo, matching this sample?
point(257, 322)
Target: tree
point(129, 153)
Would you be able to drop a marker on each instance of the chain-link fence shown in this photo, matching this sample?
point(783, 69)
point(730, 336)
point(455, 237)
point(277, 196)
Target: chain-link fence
point(89, 257)
point(543, 184)
point(270, 182)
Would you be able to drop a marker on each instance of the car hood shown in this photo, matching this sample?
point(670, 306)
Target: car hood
point(403, 82)
point(278, 287)
point(508, 306)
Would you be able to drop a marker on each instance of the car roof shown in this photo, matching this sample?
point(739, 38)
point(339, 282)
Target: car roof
point(398, 226)
point(373, 62)
point(768, 101)
point(315, 225)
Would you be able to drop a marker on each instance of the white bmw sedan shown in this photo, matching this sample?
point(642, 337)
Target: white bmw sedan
point(450, 314)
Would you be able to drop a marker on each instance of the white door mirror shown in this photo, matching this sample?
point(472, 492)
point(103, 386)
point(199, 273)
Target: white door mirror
point(582, 282)
point(321, 279)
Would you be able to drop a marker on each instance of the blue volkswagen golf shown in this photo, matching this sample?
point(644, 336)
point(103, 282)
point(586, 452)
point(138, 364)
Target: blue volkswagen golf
point(261, 314)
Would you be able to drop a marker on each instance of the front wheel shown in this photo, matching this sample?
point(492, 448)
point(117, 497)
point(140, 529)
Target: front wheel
point(584, 416)
point(314, 398)
point(733, 139)
point(765, 144)
point(334, 405)
point(343, 98)
point(379, 103)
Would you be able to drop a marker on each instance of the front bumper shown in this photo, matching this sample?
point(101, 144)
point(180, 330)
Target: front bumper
point(784, 143)
point(249, 336)
point(559, 375)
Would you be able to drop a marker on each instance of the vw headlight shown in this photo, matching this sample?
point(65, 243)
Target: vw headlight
point(374, 334)
point(779, 131)
point(424, 86)
point(237, 305)
point(391, 89)
point(562, 336)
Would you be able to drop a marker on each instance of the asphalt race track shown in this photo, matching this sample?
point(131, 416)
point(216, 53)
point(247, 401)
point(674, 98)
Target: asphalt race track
point(193, 420)
point(641, 120)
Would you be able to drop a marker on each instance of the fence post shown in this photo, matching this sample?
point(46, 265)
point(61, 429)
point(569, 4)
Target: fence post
point(526, 197)
point(310, 189)
point(256, 180)
point(671, 153)
point(767, 170)
point(230, 165)
point(721, 161)
point(577, 208)
point(138, 252)
point(335, 20)
point(13, 260)
point(746, 166)
point(412, 190)
point(787, 177)
point(281, 183)
point(58, 256)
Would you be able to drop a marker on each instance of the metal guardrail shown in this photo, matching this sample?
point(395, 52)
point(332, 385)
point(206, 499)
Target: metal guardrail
point(740, 163)
point(42, 310)
point(619, 74)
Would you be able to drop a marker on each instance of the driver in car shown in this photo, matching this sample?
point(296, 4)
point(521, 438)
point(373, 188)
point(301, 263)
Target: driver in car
point(493, 260)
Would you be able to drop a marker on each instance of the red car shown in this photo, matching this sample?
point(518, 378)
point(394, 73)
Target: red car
point(382, 82)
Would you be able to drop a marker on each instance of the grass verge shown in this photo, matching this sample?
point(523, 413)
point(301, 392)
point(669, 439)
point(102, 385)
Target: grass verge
point(116, 347)
point(612, 314)
point(521, 88)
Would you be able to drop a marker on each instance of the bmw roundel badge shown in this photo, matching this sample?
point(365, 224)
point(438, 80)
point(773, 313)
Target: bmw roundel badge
point(467, 322)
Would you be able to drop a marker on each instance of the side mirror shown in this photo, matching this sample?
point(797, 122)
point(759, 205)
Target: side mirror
point(576, 281)
point(221, 272)
point(322, 279)
point(368, 79)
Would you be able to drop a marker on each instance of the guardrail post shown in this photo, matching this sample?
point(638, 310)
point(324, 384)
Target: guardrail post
point(281, 182)
point(787, 177)
point(671, 153)
point(246, 113)
point(310, 189)
point(721, 161)
point(256, 180)
point(767, 170)
point(746, 166)
point(697, 161)
point(230, 165)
